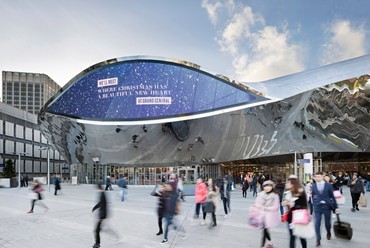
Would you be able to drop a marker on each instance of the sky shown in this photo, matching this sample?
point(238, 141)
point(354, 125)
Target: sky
point(245, 40)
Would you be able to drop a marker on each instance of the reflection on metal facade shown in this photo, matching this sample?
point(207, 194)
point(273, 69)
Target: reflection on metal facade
point(210, 118)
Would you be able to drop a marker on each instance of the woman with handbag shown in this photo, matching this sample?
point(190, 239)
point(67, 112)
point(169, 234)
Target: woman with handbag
point(37, 189)
point(269, 204)
point(296, 200)
point(211, 204)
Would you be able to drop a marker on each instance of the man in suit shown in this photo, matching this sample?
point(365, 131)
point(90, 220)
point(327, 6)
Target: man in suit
point(323, 204)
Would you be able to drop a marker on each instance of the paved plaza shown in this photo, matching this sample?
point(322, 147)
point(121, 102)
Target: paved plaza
point(70, 222)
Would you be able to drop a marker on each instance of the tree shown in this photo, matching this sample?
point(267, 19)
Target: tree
point(8, 170)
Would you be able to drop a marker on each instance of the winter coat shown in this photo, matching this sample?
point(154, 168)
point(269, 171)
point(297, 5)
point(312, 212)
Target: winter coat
point(200, 192)
point(213, 196)
point(358, 187)
point(269, 205)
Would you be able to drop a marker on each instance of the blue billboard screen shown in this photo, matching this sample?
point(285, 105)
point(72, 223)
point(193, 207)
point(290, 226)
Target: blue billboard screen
point(134, 90)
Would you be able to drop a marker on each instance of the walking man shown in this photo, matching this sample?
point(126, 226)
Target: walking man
point(225, 196)
point(323, 204)
point(102, 206)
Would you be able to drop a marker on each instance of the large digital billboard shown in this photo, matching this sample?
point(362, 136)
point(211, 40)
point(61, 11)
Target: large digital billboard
point(147, 89)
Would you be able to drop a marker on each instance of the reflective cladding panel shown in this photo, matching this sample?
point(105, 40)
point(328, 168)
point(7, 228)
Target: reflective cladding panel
point(341, 112)
point(139, 90)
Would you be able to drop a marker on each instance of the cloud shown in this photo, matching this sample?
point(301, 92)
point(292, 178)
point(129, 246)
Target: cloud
point(272, 56)
point(212, 10)
point(259, 52)
point(345, 42)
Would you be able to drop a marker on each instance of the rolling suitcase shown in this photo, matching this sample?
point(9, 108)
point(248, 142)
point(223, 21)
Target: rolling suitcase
point(342, 230)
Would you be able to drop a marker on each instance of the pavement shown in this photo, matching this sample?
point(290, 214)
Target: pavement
point(69, 222)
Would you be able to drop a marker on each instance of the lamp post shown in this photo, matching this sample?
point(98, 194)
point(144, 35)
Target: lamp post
point(48, 163)
point(19, 167)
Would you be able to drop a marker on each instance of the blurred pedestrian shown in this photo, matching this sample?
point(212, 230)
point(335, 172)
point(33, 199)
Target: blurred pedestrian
point(200, 196)
point(268, 202)
point(56, 183)
point(225, 196)
point(108, 184)
point(25, 180)
point(159, 192)
point(357, 187)
point(323, 204)
point(212, 197)
point(171, 208)
point(103, 213)
point(245, 186)
point(296, 199)
point(122, 183)
point(279, 189)
point(36, 196)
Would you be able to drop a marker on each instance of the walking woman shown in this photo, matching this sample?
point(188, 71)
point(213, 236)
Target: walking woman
point(211, 197)
point(268, 202)
point(357, 187)
point(295, 198)
point(200, 196)
point(160, 208)
point(36, 195)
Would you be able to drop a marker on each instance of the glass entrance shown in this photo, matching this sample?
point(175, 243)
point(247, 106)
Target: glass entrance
point(189, 174)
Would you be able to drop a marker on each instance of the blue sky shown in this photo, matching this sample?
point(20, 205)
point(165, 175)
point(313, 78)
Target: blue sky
point(244, 40)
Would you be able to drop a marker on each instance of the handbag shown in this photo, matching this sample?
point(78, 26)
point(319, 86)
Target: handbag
point(284, 217)
point(304, 231)
point(33, 196)
point(300, 216)
point(362, 202)
point(209, 207)
point(341, 201)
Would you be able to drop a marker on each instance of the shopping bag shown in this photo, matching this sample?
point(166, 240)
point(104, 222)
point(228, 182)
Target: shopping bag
point(304, 231)
point(362, 202)
point(209, 207)
point(255, 218)
point(337, 194)
point(33, 196)
point(284, 217)
point(341, 201)
point(301, 216)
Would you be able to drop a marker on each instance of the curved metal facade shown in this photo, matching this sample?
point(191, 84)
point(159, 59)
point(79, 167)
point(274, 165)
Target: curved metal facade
point(331, 118)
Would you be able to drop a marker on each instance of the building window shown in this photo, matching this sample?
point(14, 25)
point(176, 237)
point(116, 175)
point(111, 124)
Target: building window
point(9, 129)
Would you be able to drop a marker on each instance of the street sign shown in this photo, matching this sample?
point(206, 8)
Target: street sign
point(1, 165)
point(303, 161)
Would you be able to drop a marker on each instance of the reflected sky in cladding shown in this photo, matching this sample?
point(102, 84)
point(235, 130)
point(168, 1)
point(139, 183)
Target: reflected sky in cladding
point(189, 91)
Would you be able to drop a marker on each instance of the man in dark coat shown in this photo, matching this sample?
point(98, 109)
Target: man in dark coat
point(103, 213)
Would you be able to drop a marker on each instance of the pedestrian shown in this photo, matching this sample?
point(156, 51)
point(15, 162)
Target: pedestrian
point(230, 179)
point(268, 203)
point(36, 196)
point(212, 194)
point(279, 189)
point(180, 188)
point(245, 186)
point(160, 207)
point(368, 181)
point(339, 182)
point(295, 199)
point(108, 184)
point(309, 194)
point(225, 196)
point(255, 185)
point(25, 180)
point(103, 214)
point(171, 206)
point(200, 197)
point(323, 204)
point(122, 183)
point(356, 187)
point(56, 183)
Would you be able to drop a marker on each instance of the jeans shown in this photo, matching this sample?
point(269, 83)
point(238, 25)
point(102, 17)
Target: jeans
point(123, 193)
point(368, 186)
point(197, 209)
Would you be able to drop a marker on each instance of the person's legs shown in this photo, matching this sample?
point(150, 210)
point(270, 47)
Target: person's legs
point(357, 197)
point(97, 232)
point(353, 196)
point(224, 201)
point(327, 215)
point(33, 204)
point(265, 236)
point(317, 214)
point(368, 186)
point(304, 243)
point(228, 204)
point(292, 238)
point(168, 223)
point(204, 212)
point(160, 217)
point(214, 219)
point(197, 210)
